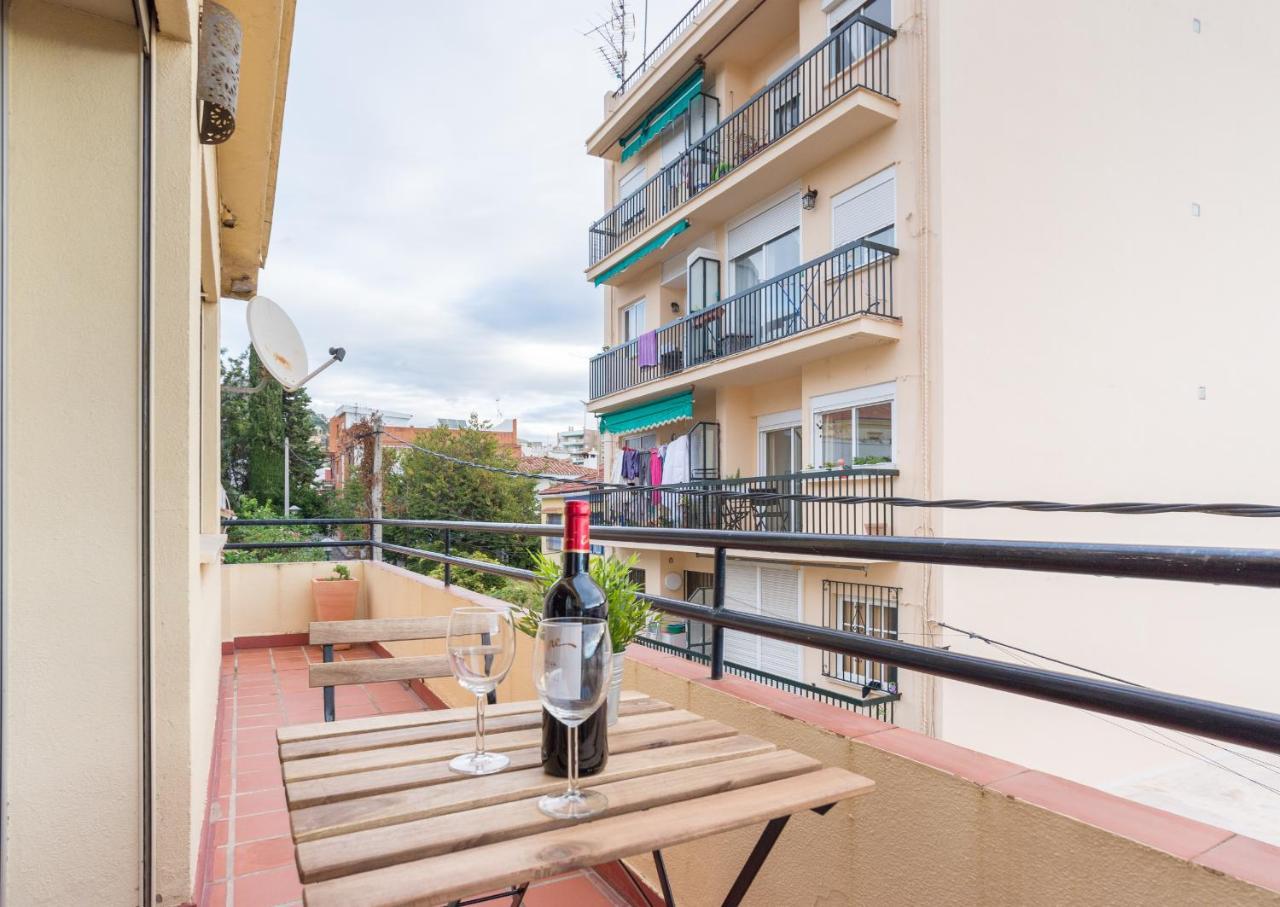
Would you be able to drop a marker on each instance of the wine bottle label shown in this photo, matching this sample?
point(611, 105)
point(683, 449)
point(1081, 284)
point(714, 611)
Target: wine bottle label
point(565, 678)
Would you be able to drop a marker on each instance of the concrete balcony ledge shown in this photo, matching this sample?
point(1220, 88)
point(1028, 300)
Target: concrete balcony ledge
point(976, 828)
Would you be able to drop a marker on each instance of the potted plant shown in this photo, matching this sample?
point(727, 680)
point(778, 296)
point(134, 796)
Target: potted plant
point(628, 613)
point(335, 596)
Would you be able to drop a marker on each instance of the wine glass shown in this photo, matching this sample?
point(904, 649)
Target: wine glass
point(571, 660)
point(481, 646)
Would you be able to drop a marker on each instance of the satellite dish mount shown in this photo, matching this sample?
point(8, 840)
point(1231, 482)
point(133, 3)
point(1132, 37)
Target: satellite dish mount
point(280, 348)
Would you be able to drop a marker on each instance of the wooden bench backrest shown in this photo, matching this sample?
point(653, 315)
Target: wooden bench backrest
point(376, 670)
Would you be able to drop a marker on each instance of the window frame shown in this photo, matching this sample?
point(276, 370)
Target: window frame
point(625, 320)
point(852, 400)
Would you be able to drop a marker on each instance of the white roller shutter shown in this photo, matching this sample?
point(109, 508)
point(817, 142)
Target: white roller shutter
point(780, 598)
point(777, 220)
point(774, 592)
point(630, 183)
point(741, 593)
point(863, 209)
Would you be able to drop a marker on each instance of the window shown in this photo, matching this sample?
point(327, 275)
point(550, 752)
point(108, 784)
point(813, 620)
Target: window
point(771, 592)
point(703, 283)
point(631, 200)
point(555, 543)
point(632, 321)
point(766, 261)
point(777, 228)
point(636, 575)
point(866, 609)
point(854, 428)
point(675, 139)
point(645, 441)
point(629, 183)
point(859, 39)
point(867, 211)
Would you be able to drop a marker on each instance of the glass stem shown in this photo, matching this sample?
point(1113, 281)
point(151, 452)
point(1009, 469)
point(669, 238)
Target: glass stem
point(480, 697)
point(573, 761)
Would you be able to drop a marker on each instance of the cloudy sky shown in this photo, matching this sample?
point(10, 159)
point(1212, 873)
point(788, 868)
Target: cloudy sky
point(433, 204)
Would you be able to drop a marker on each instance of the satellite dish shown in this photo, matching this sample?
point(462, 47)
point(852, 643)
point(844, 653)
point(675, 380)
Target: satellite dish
point(277, 342)
point(279, 345)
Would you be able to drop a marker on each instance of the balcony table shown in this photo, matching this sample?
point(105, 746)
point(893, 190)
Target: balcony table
point(379, 819)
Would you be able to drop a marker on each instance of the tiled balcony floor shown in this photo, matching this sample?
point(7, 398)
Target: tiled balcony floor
point(252, 861)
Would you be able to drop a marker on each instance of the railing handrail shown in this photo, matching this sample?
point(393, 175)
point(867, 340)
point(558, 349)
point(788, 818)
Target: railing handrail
point(697, 485)
point(662, 46)
point(725, 123)
point(1233, 724)
point(762, 287)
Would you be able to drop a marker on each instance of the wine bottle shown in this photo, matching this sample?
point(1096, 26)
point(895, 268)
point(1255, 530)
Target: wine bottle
point(575, 594)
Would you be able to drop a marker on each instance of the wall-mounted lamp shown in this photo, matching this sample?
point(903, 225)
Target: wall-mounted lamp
point(675, 307)
point(809, 200)
point(218, 78)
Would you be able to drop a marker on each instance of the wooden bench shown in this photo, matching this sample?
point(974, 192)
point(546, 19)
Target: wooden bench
point(376, 670)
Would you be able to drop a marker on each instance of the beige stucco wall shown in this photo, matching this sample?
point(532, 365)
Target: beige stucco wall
point(1084, 302)
point(72, 559)
point(271, 599)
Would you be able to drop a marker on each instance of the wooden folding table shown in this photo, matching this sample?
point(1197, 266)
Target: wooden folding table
point(379, 819)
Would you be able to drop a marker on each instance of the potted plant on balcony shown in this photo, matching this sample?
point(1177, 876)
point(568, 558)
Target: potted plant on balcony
point(628, 613)
point(335, 596)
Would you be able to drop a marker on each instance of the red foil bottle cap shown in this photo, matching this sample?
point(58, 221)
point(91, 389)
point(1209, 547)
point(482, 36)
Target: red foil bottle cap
point(577, 526)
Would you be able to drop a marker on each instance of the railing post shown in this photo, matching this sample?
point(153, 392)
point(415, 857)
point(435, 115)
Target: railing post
point(717, 603)
point(375, 493)
point(448, 550)
point(329, 714)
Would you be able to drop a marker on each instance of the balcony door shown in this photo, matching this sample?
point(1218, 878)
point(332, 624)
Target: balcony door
point(762, 249)
point(781, 450)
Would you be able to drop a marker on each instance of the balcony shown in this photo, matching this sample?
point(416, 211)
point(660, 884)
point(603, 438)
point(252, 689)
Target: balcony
point(854, 280)
point(944, 824)
point(773, 124)
point(844, 502)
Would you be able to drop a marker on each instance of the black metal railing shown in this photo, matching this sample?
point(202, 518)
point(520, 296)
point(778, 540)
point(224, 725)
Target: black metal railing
point(854, 279)
point(777, 503)
point(1257, 567)
point(864, 608)
point(880, 707)
point(855, 56)
point(662, 46)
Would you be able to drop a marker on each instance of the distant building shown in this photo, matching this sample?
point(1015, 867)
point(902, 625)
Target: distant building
point(582, 445)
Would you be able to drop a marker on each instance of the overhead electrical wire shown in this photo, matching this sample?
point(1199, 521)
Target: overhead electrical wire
point(1123, 508)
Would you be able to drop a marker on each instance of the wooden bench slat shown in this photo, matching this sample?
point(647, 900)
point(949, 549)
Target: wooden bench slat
point(388, 629)
point(333, 789)
point(420, 803)
point(343, 763)
point(378, 670)
point(378, 847)
point(438, 879)
point(351, 743)
point(411, 719)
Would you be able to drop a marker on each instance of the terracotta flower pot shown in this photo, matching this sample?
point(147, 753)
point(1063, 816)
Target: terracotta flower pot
point(335, 599)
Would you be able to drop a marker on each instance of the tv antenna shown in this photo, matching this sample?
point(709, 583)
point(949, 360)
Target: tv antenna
point(615, 31)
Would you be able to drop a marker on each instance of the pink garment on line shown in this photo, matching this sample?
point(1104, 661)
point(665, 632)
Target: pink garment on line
point(655, 472)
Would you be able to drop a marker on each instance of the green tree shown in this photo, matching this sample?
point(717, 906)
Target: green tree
point(424, 487)
point(250, 509)
point(253, 430)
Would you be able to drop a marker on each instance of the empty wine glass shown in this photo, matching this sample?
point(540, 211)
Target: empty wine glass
point(571, 659)
point(481, 647)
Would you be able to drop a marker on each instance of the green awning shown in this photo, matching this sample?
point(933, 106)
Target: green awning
point(649, 415)
point(651, 246)
point(662, 115)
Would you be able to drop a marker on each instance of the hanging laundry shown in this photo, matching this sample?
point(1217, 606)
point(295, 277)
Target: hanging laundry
point(647, 349)
point(675, 464)
point(655, 471)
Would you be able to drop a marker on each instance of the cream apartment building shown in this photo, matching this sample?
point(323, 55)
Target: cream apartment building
point(128, 212)
point(940, 249)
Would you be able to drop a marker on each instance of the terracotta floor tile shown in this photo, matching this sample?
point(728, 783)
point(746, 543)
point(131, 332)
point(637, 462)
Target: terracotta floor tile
point(247, 782)
point(220, 833)
point(262, 825)
point(264, 762)
point(267, 889)
point(575, 889)
point(215, 895)
point(267, 853)
point(218, 865)
point(261, 801)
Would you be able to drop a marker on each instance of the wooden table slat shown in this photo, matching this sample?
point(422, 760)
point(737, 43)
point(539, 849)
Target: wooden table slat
point(412, 719)
point(438, 879)
point(302, 794)
point(352, 743)
point(346, 816)
point(375, 848)
point(378, 670)
point(388, 757)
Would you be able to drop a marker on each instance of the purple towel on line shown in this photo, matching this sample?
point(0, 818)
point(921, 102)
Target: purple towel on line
point(647, 349)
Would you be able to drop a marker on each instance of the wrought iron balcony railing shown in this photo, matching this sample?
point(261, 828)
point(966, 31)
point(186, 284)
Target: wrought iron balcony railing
point(855, 279)
point(794, 502)
point(855, 56)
